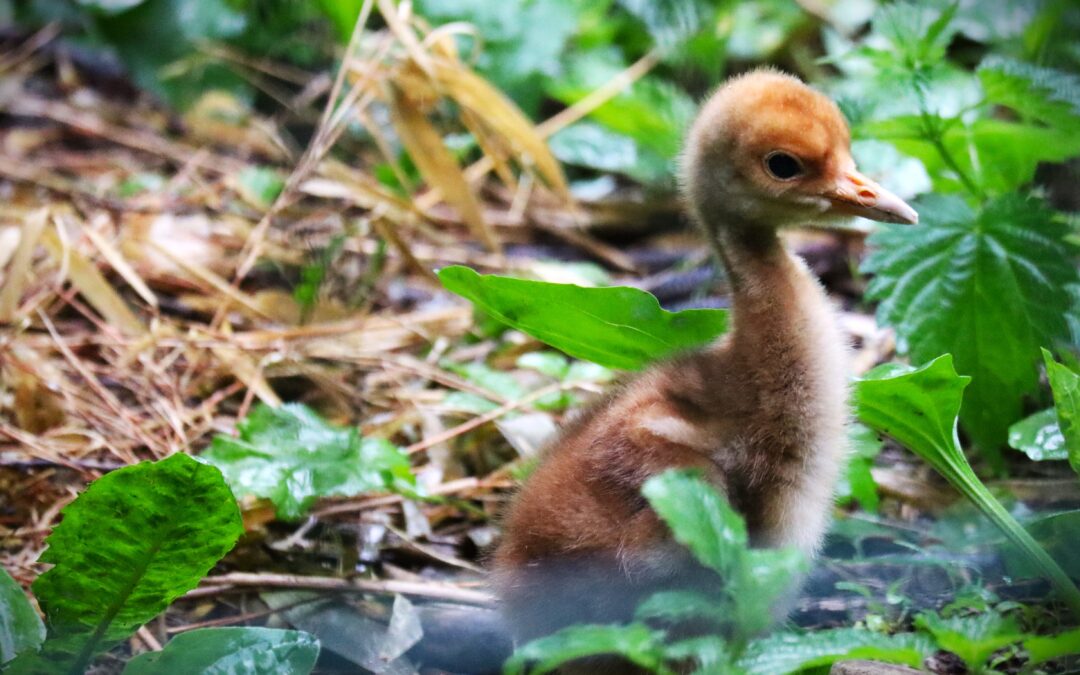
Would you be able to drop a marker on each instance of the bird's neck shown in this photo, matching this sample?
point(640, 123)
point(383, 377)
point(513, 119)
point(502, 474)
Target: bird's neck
point(779, 310)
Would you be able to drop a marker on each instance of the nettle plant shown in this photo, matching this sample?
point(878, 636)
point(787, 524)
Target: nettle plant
point(989, 274)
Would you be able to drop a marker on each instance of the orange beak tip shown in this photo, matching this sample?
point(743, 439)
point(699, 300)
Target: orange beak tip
point(857, 195)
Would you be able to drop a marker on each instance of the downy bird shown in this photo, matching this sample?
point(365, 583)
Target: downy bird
point(761, 413)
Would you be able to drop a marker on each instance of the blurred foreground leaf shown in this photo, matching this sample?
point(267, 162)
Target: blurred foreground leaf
point(972, 638)
point(615, 327)
point(291, 456)
point(232, 651)
point(635, 642)
point(750, 580)
point(1041, 649)
point(20, 627)
point(795, 652)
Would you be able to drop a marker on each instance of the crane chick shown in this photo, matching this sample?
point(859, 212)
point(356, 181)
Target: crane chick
point(762, 413)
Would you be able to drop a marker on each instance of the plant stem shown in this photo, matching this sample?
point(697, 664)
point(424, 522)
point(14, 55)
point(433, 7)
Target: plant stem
point(934, 135)
point(963, 478)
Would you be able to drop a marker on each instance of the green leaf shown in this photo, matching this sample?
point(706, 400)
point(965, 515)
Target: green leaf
point(766, 575)
point(110, 6)
point(20, 627)
point(1066, 387)
point(652, 111)
point(857, 483)
point(699, 518)
point(634, 642)
point(494, 381)
point(172, 68)
point(987, 287)
point(679, 606)
point(343, 15)
point(1058, 534)
point(259, 185)
point(231, 651)
point(1046, 648)
point(522, 39)
point(710, 654)
point(1044, 94)
point(134, 541)
point(617, 327)
point(793, 652)
point(551, 364)
point(972, 638)
point(1039, 436)
point(918, 408)
point(999, 155)
point(595, 146)
point(757, 30)
point(291, 456)
point(670, 22)
point(920, 32)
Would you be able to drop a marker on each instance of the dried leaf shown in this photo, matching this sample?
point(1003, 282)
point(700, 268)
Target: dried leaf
point(88, 280)
point(20, 268)
point(437, 165)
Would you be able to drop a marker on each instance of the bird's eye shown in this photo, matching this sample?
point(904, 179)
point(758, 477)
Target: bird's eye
point(782, 165)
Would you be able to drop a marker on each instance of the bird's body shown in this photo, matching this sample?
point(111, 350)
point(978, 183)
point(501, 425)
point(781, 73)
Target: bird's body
point(761, 413)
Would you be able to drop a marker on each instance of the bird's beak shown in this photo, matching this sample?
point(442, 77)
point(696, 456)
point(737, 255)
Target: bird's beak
point(856, 195)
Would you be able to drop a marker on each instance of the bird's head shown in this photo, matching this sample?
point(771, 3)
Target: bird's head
point(768, 151)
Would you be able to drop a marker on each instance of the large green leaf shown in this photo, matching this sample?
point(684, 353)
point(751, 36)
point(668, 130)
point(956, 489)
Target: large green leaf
point(616, 327)
point(793, 652)
point(987, 287)
point(1043, 94)
point(231, 651)
point(918, 407)
point(291, 456)
point(138, 538)
point(20, 627)
point(635, 642)
point(1066, 387)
